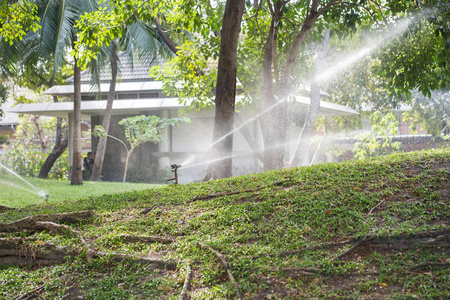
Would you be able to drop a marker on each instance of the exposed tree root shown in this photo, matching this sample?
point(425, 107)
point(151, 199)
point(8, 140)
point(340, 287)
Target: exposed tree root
point(439, 238)
point(429, 265)
point(225, 264)
point(364, 240)
point(30, 294)
point(145, 239)
point(29, 222)
point(303, 271)
point(4, 208)
point(146, 211)
point(212, 196)
point(22, 251)
point(187, 284)
point(376, 206)
point(155, 261)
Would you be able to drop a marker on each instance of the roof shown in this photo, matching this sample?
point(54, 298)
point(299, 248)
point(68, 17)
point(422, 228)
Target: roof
point(128, 70)
point(139, 106)
point(68, 90)
point(8, 119)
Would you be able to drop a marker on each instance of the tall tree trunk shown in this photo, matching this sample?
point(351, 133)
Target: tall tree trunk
point(301, 154)
point(226, 91)
point(101, 147)
point(77, 175)
point(274, 107)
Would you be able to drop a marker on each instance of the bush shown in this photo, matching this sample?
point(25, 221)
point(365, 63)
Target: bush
point(379, 141)
point(4, 139)
point(28, 163)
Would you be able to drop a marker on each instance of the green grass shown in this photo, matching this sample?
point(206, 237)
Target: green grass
point(272, 228)
point(16, 193)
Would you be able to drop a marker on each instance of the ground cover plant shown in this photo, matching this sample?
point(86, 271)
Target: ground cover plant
point(375, 229)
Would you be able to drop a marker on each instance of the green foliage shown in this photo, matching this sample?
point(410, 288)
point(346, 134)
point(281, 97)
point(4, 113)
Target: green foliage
point(380, 140)
point(4, 139)
point(188, 77)
point(17, 18)
point(4, 92)
point(28, 162)
point(141, 129)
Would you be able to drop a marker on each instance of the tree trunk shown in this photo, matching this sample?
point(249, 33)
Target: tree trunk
point(274, 109)
point(52, 157)
point(301, 154)
point(76, 178)
point(58, 150)
point(42, 140)
point(226, 91)
point(101, 147)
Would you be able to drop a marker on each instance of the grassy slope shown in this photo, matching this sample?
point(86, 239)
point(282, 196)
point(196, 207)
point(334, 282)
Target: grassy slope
point(266, 228)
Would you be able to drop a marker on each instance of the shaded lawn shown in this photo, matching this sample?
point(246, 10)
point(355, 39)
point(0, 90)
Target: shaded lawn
point(17, 193)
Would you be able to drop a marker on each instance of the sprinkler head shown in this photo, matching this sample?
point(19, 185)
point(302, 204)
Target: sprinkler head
point(175, 167)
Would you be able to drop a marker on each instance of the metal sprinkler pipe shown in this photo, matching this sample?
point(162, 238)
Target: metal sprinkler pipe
point(46, 198)
point(174, 169)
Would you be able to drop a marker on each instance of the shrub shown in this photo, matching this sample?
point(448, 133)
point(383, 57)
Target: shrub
point(28, 162)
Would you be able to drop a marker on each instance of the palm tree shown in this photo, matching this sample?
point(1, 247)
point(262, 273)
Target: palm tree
point(56, 36)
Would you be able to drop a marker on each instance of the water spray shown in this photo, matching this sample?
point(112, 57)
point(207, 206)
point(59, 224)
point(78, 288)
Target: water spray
point(174, 169)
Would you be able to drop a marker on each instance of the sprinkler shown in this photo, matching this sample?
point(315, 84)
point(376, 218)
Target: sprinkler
point(46, 198)
point(174, 169)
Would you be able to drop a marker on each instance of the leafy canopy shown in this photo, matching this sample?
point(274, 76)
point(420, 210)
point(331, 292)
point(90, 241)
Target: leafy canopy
point(17, 18)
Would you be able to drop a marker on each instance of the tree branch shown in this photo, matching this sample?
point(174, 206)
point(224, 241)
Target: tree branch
point(172, 46)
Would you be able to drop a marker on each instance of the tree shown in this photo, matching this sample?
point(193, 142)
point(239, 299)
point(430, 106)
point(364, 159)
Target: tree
point(37, 75)
point(301, 156)
point(139, 130)
point(411, 70)
point(226, 91)
point(419, 60)
point(16, 19)
point(56, 36)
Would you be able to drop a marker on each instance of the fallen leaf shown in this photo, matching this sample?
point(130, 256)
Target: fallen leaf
point(164, 288)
